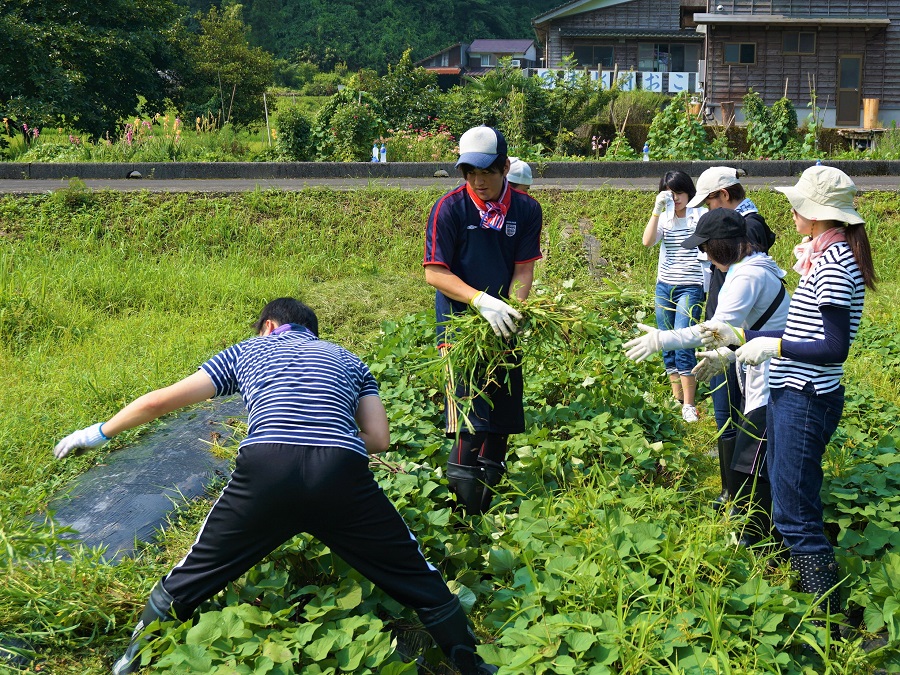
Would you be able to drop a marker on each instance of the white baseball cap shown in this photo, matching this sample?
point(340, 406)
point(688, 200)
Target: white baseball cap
point(712, 180)
point(480, 147)
point(519, 172)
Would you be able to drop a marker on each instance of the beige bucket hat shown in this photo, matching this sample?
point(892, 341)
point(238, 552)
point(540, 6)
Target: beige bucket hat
point(824, 193)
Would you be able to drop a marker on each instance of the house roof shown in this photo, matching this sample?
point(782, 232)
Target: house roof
point(848, 21)
point(575, 7)
point(445, 70)
point(631, 33)
point(445, 49)
point(500, 46)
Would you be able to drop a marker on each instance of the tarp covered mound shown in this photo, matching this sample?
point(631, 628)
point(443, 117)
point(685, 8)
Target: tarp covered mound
point(126, 499)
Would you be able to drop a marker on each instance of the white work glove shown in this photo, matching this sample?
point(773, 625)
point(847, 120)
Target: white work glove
point(712, 363)
point(715, 334)
point(662, 201)
point(759, 350)
point(646, 345)
point(90, 437)
point(501, 316)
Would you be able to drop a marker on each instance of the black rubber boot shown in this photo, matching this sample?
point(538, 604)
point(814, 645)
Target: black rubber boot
point(725, 448)
point(819, 575)
point(493, 474)
point(467, 483)
point(160, 606)
point(753, 501)
point(450, 629)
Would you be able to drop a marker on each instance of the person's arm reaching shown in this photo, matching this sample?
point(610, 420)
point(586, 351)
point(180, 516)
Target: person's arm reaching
point(833, 348)
point(372, 421)
point(449, 284)
point(499, 314)
point(192, 389)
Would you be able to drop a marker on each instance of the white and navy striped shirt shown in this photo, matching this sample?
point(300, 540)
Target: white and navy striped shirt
point(297, 389)
point(834, 280)
point(678, 266)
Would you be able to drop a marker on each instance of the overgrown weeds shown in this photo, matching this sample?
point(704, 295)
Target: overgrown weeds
point(600, 556)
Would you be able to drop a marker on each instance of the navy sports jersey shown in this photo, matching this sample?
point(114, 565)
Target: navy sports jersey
point(297, 389)
point(482, 257)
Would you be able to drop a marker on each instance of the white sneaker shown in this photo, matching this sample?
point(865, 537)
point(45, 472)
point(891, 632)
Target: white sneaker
point(689, 413)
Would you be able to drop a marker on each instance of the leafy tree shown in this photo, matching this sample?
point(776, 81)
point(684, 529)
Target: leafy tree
point(85, 63)
point(366, 34)
point(522, 103)
point(409, 96)
point(227, 76)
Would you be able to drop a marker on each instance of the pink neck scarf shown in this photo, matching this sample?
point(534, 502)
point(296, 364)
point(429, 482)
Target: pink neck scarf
point(808, 252)
point(493, 214)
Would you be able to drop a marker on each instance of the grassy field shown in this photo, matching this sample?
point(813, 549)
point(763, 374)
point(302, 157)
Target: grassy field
point(105, 296)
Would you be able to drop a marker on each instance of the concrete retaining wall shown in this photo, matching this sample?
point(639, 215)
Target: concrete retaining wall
point(267, 170)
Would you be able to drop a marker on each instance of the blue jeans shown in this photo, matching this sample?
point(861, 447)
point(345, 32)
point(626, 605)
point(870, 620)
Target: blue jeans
point(800, 424)
point(678, 306)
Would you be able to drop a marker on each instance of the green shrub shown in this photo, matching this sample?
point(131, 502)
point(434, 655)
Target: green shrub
point(676, 133)
point(346, 126)
point(769, 132)
point(418, 145)
point(637, 107)
point(294, 138)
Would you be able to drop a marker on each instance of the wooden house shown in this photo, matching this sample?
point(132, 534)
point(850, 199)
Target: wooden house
point(477, 58)
point(650, 44)
point(448, 64)
point(486, 54)
point(846, 51)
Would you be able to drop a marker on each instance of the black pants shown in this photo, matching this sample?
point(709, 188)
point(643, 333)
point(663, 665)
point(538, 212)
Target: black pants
point(278, 491)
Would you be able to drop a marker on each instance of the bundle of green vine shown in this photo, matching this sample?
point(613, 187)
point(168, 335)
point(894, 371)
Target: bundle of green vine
point(478, 359)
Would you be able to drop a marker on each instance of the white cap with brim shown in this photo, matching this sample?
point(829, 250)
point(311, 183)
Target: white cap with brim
point(824, 193)
point(519, 172)
point(480, 147)
point(715, 178)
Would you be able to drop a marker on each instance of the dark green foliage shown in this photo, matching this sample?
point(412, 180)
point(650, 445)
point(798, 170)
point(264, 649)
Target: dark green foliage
point(408, 95)
point(366, 34)
point(769, 131)
point(84, 63)
point(676, 134)
point(225, 76)
point(294, 140)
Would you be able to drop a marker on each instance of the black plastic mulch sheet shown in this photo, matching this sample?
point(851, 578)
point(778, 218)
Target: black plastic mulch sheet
point(126, 499)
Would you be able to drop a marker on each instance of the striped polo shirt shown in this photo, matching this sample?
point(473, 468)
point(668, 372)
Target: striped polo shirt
point(677, 265)
point(834, 280)
point(297, 389)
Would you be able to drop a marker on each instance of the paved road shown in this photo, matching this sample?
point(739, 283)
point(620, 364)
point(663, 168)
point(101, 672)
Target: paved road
point(26, 187)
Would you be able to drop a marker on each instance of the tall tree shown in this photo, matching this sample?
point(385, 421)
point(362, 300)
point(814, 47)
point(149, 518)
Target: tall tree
point(84, 63)
point(228, 75)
